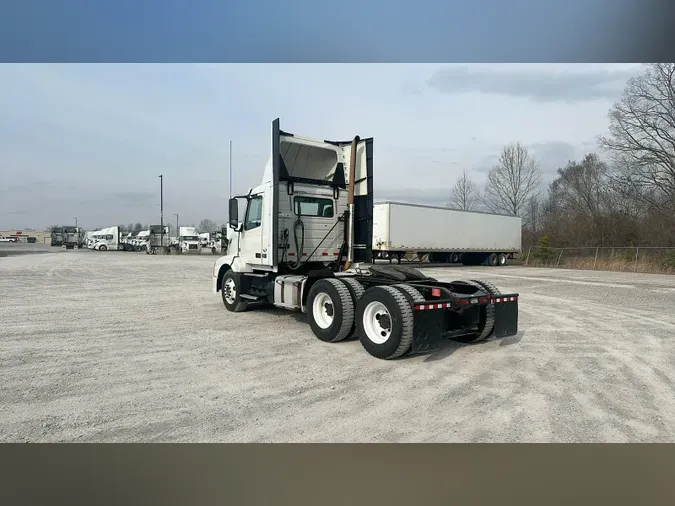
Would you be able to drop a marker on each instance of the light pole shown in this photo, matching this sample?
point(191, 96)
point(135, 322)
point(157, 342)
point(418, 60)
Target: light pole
point(177, 234)
point(75, 218)
point(161, 207)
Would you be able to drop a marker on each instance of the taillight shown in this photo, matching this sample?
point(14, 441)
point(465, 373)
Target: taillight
point(435, 292)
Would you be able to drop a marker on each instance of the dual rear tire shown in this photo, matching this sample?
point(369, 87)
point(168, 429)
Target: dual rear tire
point(381, 316)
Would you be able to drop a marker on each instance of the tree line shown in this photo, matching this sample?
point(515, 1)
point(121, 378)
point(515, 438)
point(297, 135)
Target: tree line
point(621, 195)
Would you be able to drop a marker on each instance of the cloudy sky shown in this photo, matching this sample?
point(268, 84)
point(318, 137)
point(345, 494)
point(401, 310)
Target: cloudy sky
point(90, 140)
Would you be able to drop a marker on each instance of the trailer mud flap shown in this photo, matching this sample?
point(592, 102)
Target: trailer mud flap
point(506, 319)
point(427, 331)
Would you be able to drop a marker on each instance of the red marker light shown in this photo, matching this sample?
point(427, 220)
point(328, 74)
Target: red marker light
point(435, 292)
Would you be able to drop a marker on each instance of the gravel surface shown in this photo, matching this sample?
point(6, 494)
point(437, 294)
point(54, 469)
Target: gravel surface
point(129, 347)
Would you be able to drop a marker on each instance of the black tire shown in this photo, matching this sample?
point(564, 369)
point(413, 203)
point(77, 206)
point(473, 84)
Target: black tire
point(339, 308)
point(356, 290)
point(137, 248)
point(455, 258)
point(501, 259)
point(401, 322)
point(414, 294)
point(103, 247)
point(236, 305)
point(487, 316)
point(486, 285)
point(213, 250)
point(492, 260)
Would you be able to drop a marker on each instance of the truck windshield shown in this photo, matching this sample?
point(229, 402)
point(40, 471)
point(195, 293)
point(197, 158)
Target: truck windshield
point(190, 238)
point(312, 206)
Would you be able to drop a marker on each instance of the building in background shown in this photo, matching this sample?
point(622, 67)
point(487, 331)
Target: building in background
point(30, 236)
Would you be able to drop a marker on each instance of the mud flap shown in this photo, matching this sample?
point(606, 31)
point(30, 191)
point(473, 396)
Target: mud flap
point(427, 331)
point(506, 319)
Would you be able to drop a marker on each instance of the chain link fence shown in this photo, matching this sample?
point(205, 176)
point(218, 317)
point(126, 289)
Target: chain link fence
point(625, 259)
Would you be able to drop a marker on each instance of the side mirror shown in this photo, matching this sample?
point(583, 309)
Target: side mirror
point(234, 213)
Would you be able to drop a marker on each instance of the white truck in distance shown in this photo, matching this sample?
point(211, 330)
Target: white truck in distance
point(305, 244)
point(105, 239)
point(444, 235)
point(188, 239)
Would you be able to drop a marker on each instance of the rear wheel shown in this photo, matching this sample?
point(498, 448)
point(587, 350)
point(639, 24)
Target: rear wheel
point(492, 260)
point(486, 321)
point(501, 259)
point(330, 308)
point(356, 290)
point(384, 321)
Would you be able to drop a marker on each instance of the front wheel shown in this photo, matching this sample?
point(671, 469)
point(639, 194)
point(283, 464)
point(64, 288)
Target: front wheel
point(230, 292)
point(103, 247)
point(384, 320)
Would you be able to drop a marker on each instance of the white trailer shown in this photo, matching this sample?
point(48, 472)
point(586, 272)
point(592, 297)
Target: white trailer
point(444, 235)
point(305, 244)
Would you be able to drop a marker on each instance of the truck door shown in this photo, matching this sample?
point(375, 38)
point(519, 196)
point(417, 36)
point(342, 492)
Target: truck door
point(251, 234)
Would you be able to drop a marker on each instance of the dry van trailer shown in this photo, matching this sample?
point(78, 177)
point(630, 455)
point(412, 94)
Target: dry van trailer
point(444, 235)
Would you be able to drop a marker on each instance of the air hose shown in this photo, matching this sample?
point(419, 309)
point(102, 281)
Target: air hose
point(298, 249)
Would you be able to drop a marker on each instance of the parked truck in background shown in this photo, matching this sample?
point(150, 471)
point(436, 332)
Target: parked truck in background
point(305, 243)
point(58, 237)
point(444, 235)
point(73, 237)
point(141, 240)
point(158, 240)
point(188, 240)
point(106, 239)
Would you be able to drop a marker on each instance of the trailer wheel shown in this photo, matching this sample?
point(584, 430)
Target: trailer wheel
point(230, 293)
point(455, 258)
point(492, 260)
point(501, 259)
point(330, 308)
point(384, 320)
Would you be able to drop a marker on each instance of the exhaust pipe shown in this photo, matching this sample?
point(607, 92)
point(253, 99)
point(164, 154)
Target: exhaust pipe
point(350, 202)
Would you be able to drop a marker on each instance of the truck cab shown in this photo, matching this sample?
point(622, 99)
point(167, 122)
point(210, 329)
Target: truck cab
point(188, 240)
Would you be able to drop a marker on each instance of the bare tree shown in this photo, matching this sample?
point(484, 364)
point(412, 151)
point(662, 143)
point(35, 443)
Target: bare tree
point(641, 138)
point(207, 225)
point(583, 191)
point(464, 195)
point(513, 181)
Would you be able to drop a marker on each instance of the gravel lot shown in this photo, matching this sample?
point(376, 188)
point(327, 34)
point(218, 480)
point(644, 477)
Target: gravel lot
point(129, 347)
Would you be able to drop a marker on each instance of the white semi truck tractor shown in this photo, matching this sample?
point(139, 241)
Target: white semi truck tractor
point(305, 244)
